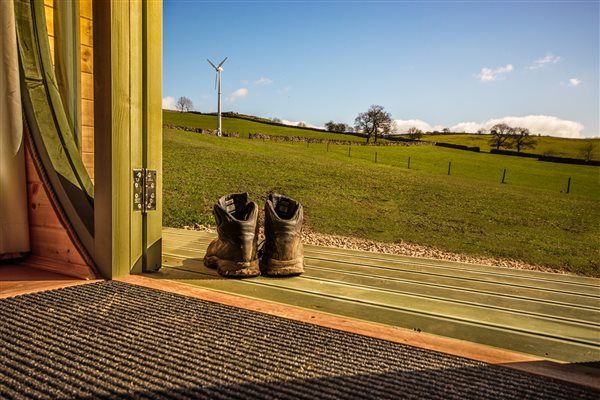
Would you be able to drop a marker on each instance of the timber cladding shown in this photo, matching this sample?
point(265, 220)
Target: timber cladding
point(51, 245)
point(86, 50)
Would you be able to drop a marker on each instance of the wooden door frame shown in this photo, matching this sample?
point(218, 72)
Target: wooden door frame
point(128, 133)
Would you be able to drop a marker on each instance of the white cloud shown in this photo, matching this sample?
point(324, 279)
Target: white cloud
point(470, 127)
point(262, 81)
point(403, 125)
point(542, 62)
point(295, 123)
point(574, 82)
point(259, 82)
point(238, 94)
point(544, 124)
point(168, 103)
point(489, 75)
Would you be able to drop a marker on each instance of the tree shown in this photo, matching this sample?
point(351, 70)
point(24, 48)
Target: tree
point(336, 126)
point(184, 104)
point(481, 131)
point(415, 133)
point(587, 152)
point(501, 135)
point(522, 139)
point(375, 121)
point(301, 124)
point(446, 130)
point(276, 120)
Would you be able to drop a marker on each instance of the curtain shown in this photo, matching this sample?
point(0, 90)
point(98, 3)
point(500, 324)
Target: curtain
point(14, 227)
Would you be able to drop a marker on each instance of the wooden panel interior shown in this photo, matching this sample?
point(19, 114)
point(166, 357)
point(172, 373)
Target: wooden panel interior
point(87, 84)
point(51, 246)
point(87, 75)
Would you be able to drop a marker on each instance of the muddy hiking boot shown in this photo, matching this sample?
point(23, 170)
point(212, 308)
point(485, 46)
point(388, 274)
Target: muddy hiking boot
point(283, 252)
point(234, 252)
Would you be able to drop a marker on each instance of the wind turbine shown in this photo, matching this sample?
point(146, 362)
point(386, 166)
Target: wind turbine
point(218, 70)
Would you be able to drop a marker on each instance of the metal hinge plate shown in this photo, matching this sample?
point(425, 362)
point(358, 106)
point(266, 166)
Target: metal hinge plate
point(144, 190)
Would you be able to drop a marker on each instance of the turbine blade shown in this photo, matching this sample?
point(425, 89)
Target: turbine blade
point(222, 62)
point(210, 62)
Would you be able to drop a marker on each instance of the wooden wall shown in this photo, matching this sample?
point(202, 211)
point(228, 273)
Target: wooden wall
point(87, 85)
point(87, 75)
point(52, 248)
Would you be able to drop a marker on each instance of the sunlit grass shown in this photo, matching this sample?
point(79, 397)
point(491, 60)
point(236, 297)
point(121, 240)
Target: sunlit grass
point(469, 211)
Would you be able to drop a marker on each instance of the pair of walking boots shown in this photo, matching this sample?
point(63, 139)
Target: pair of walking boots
point(235, 252)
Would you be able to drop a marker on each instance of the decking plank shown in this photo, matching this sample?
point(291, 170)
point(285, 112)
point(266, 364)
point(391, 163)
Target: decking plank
point(458, 296)
point(550, 315)
point(544, 346)
point(439, 273)
point(196, 238)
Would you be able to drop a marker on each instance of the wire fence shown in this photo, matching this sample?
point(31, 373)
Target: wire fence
point(580, 180)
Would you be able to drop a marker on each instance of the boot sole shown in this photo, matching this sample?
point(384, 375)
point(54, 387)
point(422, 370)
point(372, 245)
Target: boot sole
point(273, 267)
point(233, 269)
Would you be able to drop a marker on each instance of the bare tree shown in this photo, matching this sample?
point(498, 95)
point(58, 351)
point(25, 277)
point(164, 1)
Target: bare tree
point(336, 127)
point(301, 124)
point(184, 104)
point(501, 136)
point(522, 139)
point(415, 133)
point(587, 152)
point(481, 131)
point(446, 130)
point(375, 121)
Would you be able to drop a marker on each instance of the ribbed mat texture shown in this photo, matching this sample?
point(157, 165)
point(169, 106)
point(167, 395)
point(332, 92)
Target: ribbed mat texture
point(113, 340)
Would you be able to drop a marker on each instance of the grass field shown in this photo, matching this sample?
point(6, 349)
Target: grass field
point(469, 212)
point(244, 127)
point(562, 147)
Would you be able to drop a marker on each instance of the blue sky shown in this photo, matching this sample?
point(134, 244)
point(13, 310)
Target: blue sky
point(431, 64)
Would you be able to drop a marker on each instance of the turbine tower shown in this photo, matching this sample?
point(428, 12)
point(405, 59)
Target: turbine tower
point(218, 70)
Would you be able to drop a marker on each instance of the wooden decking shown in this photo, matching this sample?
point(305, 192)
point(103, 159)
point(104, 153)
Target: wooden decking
point(547, 315)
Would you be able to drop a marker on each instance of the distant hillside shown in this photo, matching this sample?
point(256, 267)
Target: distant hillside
point(547, 145)
point(245, 124)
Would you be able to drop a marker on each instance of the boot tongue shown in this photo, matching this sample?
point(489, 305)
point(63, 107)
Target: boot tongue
point(236, 205)
point(284, 207)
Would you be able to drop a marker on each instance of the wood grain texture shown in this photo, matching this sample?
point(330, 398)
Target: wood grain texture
point(87, 59)
point(86, 32)
point(87, 112)
point(87, 86)
point(85, 9)
point(153, 117)
point(49, 238)
point(21, 278)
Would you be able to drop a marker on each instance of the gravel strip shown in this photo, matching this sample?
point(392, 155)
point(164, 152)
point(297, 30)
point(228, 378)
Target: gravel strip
point(402, 248)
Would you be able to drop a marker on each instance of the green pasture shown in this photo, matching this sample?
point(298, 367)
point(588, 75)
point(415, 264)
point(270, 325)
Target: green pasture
point(244, 127)
point(530, 217)
point(546, 145)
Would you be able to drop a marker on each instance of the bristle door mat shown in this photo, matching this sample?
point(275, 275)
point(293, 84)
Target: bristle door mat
point(113, 340)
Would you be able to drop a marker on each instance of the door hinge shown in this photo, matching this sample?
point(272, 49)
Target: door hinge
point(144, 190)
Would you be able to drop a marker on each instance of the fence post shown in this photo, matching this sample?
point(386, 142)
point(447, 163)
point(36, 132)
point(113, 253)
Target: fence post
point(409, 162)
point(307, 143)
point(503, 175)
point(375, 157)
point(569, 185)
point(349, 147)
point(328, 147)
point(449, 166)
